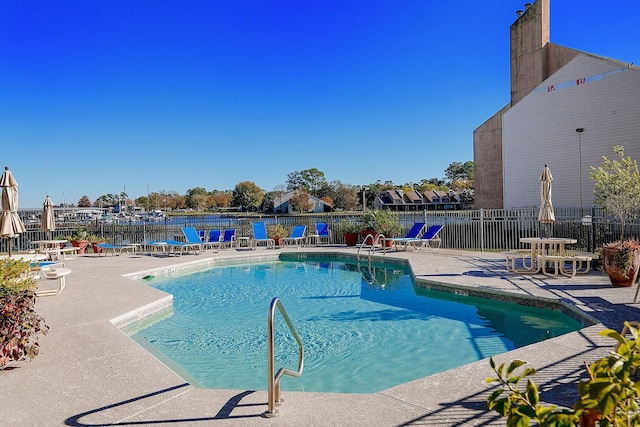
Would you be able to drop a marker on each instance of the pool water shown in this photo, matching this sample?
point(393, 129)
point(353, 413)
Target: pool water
point(365, 328)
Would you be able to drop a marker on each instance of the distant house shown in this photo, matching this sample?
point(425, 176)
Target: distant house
point(281, 204)
point(398, 200)
point(412, 197)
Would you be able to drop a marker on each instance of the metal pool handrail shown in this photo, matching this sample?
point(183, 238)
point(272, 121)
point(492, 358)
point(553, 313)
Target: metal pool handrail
point(274, 380)
point(375, 241)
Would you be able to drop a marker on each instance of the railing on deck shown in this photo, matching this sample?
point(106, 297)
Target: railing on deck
point(477, 230)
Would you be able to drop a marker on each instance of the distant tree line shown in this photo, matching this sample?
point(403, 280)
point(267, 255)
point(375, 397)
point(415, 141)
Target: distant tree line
point(248, 196)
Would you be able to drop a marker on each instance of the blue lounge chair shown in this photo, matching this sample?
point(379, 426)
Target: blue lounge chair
point(214, 236)
point(193, 237)
point(213, 240)
point(429, 236)
point(322, 234)
point(412, 234)
point(180, 248)
point(297, 236)
point(228, 237)
point(115, 249)
point(260, 236)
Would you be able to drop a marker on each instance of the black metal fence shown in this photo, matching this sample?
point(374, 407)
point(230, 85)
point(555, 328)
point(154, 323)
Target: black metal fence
point(479, 230)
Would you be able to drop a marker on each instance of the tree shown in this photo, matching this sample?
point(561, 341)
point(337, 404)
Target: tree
point(617, 186)
point(458, 171)
point(196, 198)
point(220, 199)
point(310, 180)
point(431, 184)
point(294, 181)
point(143, 201)
point(247, 195)
point(84, 202)
point(301, 202)
point(344, 196)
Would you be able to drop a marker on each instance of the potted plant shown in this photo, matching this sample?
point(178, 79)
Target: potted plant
point(277, 232)
point(94, 241)
point(19, 323)
point(617, 189)
point(380, 221)
point(350, 230)
point(79, 239)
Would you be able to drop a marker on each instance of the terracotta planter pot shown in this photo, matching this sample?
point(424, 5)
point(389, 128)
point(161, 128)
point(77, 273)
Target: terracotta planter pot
point(616, 275)
point(96, 249)
point(80, 244)
point(371, 233)
point(351, 239)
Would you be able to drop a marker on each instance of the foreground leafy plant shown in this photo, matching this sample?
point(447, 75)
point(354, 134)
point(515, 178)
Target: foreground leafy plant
point(20, 325)
point(607, 398)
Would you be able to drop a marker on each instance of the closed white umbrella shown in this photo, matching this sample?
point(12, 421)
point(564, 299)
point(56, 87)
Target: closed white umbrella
point(48, 218)
point(546, 215)
point(10, 223)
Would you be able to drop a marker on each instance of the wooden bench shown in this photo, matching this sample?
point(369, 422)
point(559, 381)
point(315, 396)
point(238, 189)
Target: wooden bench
point(579, 264)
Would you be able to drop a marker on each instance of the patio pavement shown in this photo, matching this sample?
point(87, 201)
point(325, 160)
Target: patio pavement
point(89, 373)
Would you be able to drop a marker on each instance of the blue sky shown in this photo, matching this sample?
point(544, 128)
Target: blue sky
point(147, 96)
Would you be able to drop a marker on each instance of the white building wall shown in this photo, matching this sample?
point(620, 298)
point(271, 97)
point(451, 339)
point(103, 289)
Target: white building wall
point(541, 129)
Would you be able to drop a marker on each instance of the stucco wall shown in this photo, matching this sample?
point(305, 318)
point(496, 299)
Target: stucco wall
point(487, 162)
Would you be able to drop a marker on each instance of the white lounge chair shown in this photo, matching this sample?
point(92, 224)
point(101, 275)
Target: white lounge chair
point(52, 272)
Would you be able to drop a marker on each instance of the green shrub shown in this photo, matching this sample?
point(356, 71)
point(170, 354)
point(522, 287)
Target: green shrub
point(609, 397)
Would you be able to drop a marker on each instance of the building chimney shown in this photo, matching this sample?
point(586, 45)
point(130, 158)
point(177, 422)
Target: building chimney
point(518, 13)
point(527, 6)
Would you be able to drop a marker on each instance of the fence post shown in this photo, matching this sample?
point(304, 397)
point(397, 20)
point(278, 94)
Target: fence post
point(481, 230)
point(593, 229)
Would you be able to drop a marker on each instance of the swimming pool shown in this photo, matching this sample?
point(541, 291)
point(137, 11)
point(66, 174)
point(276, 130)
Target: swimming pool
point(365, 327)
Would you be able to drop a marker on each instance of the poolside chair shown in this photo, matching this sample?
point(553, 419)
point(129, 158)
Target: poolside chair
point(429, 236)
point(412, 234)
point(179, 248)
point(197, 236)
point(228, 237)
point(51, 272)
point(215, 236)
point(115, 249)
point(296, 237)
point(260, 236)
point(212, 240)
point(322, 234)
point(193, 237)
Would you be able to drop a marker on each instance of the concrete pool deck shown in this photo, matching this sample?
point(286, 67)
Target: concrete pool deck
point(90, 373)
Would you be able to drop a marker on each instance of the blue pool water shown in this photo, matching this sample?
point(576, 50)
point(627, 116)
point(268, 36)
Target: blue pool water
point(365, 328)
